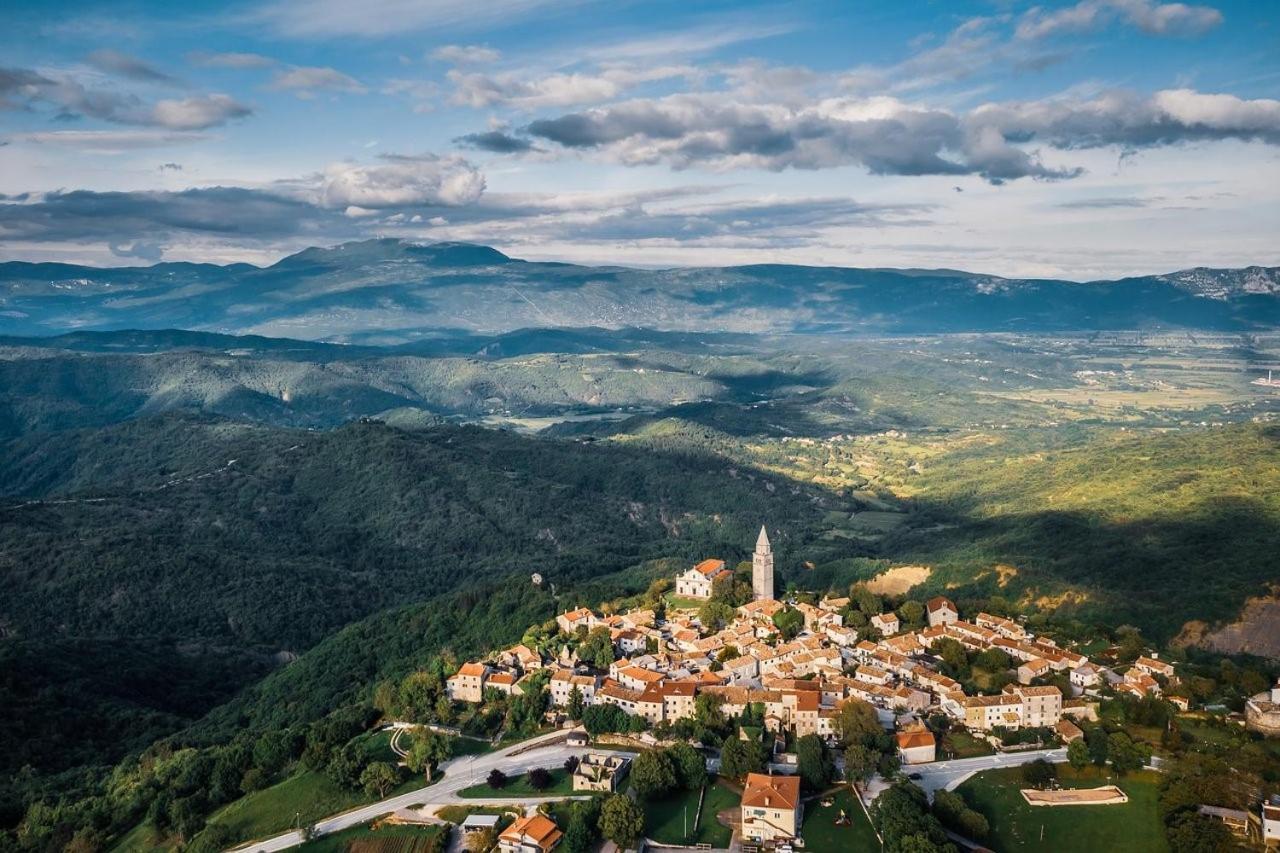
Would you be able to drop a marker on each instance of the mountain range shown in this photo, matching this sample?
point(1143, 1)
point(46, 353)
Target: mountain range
point(389, 291)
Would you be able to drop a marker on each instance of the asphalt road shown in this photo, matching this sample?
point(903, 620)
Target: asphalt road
point(950, 774)
point(460, 773)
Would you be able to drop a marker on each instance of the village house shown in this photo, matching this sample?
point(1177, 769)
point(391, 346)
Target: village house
point(534, 834)
point(941, 611)
point(1085, 676)
point(771, 808)
point(600, 771)
point(564, 680)
point(1271, 822)
point(1041, 706)
point(1033, 669)
point(1153, 666)
point(886, 623)
point(916, 746)
point(468, 683)
point(573, 619)
point(698, 581)
point(1004, 627)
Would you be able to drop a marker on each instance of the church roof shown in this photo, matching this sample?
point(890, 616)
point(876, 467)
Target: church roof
point(762, 541)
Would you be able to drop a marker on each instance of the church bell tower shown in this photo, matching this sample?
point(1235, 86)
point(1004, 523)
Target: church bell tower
point(762, 568)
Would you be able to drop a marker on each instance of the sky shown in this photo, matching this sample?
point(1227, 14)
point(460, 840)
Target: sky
point(1084, 139)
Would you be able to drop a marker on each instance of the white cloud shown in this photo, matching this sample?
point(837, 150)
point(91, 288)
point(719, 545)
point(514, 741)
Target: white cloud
point(401, 182)
point(465, 54)
point(305, 81)
point(230, 60)
point(526, 92)
point(195, 113)
point(108, 141)
point(1160, 19)
point(370, 18)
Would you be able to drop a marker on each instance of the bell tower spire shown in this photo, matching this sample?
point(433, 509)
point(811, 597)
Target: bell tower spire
point(762, 568)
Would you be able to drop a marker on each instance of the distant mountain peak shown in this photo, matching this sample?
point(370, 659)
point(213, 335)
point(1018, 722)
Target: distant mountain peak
point(1222, 284)
point(452, 254)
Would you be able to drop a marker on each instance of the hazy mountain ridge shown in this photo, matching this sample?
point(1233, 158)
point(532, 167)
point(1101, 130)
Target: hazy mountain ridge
point(389, 291)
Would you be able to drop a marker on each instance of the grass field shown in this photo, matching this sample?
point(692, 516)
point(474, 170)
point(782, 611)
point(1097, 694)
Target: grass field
point(518, 786)
point(670, 819)
point(337, 843)
point(377, 745)
point(680, 602)
point(820, 833)
point(965, 745)
point(300, 799)
point(471, 746)
point(1134, 827)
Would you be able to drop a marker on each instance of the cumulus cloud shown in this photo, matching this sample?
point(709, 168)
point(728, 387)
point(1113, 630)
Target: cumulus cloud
point(129, 67)
point(1159, 19)
point(401, 181)
point(465, 54)
point(888, 136)
point(554, 90)
point(72, 98)
point(195, 113)
point(305, 81)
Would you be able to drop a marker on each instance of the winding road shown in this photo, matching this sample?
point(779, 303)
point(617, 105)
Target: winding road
point(462, 772)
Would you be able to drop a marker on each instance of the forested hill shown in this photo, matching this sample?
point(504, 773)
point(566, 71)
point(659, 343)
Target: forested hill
point(382, 291)
point(216, 538)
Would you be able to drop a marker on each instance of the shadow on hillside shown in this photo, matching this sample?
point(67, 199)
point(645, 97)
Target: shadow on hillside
point(1156, 571)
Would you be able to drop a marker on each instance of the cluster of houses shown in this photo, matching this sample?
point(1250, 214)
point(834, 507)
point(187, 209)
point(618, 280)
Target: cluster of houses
point(661, 666)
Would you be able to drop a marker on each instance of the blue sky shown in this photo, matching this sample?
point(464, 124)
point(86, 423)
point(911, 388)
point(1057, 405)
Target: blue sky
point(1082, 139)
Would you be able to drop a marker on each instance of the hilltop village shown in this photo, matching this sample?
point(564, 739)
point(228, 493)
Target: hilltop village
point(662, 665)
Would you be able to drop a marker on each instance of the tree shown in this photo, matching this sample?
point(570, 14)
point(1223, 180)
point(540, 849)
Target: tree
point(860, 762)
point(857, 722)
point(1126, 756)
point(1038, 773)
point(1188, 832)
point(740, 757)
point(652, 773)
point(346, 765)
point(497, 780)
point(714, 615)
point(789, 622)
point(814, 762)
point(912, 614)
point(540, 779)
point(379, 778)
point(577, 835)
point(428, 750)
point(1096, 737)
point(867, 602)
point(621, 820)
point(597, 648)
point(707, 711)
point(690, 766)
point(253, 780)
point(1078, 754)
point(576, 705)
point(601, 719)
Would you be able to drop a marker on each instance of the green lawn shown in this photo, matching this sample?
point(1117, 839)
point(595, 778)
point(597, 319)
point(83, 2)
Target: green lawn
point(337, 843)
point(1134, 827)
point(308, 795)
point(471, 746)
point(670, 820)
point(821, 834)
point(518, 786)
point(680, 602)
point(141, 839)
point(965, 745)
point(377, 745)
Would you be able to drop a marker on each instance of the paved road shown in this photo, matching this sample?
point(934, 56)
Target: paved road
point(950, 774)
point(460, 773)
